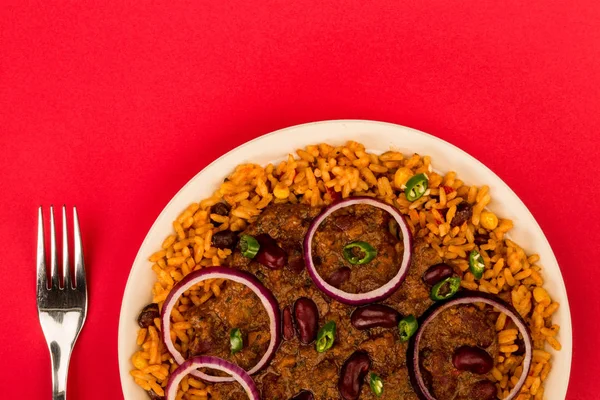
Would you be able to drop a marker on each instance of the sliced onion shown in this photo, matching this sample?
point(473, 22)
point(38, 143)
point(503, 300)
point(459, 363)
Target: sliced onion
point(245, 278)
point(191, 365)
point(374, 295)
point(466, 297)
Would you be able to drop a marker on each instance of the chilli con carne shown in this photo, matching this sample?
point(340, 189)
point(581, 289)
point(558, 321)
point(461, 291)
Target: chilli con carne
point(271, 311)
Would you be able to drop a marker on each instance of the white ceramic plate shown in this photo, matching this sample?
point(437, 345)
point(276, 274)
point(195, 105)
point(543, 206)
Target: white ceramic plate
point(377, 137)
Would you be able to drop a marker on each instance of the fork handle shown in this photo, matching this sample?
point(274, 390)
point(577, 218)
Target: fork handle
point(60, 356)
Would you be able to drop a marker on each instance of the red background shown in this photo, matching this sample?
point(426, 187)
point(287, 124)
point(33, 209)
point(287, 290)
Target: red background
point(114, 107)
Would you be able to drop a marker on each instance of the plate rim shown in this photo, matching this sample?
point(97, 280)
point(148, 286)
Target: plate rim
point(566, 340)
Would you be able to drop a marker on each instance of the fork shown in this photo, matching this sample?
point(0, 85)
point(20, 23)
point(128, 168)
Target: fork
point(62, 309)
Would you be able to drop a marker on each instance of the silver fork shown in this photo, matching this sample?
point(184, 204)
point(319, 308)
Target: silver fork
point(62, 309)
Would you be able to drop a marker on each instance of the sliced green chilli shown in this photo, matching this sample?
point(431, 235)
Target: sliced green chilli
point(236, 341)
point(407, 327)
point(249, 246)
point(326, 337)
point(445, 288)
point(416, 187)
point(358, 253)
point(476, 264)
point(376, 384)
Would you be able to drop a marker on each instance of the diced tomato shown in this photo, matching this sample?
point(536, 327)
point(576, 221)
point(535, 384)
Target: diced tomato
point(448, 189)
point(442, 212)
point(335, 196)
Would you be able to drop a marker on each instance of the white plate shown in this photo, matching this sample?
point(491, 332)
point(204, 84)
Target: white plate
point(376, 136)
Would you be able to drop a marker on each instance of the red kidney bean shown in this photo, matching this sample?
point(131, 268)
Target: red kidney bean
point(220, 209)
point(304, 395)
point(153, 396)
point(473, 359)
point(436, 273)
point(270, 254)
point(306, 316)
point(484, 390)
point(224, 240)
point(374, 315)
point(464, 211)
point(339, 276)
point(147, 315)
point(353, 374)
point(288, 324)
point(480, 240)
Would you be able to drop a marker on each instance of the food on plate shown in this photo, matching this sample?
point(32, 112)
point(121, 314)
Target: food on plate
point(341, 274)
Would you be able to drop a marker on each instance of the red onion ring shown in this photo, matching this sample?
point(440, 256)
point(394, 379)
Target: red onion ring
point(191, 365)
point(466, 297)
point(245, 278)
point(374, 295)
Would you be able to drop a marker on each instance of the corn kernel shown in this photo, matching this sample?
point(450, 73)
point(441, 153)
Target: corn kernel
point(402, 176)
point(138, 361)
point(541, 296)
point(281, 192)
point(489, 220)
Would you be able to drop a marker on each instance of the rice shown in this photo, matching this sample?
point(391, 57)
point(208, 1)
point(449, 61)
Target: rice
point(316, 176)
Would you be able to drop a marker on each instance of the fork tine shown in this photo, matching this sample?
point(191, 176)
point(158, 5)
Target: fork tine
point(78, 253)
point(53, 255)
point(65, 250)
point(42, 278)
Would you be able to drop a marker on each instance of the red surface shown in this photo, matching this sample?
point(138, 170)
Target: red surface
point(113, 107)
